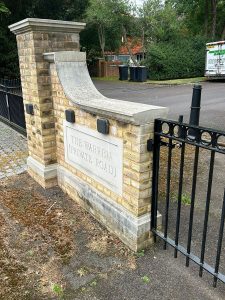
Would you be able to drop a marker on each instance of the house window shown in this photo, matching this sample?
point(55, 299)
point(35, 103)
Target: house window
point(123, 58)
point(110, 57)
point(140, 57)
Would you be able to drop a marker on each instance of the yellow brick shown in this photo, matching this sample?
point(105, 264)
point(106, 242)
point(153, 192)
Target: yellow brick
point(100, 187)
point(107, 192)
point(126, 180)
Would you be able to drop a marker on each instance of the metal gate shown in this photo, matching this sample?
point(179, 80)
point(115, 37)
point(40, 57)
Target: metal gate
point(173, 136)
point(11, 104)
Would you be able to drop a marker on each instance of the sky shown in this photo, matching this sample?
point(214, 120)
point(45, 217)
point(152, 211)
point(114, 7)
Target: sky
point(138, 2)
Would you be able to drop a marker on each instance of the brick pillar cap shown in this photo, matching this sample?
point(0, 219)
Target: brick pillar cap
point(46, 25)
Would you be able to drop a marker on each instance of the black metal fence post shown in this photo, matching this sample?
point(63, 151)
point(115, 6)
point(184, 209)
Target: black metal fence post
point(180, 120)
point(155, 177)
point(195, 108)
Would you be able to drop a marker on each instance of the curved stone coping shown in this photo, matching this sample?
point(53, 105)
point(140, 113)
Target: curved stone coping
point(73, 74)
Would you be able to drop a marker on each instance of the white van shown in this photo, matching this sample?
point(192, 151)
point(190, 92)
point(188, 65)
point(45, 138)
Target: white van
point(215, 60)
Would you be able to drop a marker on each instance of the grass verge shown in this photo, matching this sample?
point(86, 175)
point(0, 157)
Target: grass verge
point(156, 82)
point(177, 81)
point(111, 78)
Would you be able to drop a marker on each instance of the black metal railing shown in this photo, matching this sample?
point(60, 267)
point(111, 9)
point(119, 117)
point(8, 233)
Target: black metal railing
point(11, 104)
point(12, 86)
point(177, 135)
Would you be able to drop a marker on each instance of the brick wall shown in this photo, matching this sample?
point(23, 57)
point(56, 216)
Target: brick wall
point(136, 159)
point(127, 214)
point(102, 68)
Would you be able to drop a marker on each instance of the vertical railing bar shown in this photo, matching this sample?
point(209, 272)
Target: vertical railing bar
point(192, 203)
point(179, 197)
point(207, 205)
point(156, 156)
point(168, 188)
point(220, 240)
point(7, 102)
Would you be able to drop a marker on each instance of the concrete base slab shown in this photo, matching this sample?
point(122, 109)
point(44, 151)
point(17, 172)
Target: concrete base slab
point(46, 176)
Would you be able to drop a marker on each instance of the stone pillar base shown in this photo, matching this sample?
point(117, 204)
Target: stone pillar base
point(46, 176)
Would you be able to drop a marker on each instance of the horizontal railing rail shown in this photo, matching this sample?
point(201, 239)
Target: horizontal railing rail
point(11, 86)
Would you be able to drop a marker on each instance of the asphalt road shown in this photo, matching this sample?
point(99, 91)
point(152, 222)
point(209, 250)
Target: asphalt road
point(177, 98)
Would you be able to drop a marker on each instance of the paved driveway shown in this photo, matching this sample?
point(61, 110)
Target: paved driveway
point(13, 152)
point(177, 98)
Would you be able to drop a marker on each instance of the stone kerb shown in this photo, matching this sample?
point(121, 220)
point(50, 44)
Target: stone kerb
point(108, 174)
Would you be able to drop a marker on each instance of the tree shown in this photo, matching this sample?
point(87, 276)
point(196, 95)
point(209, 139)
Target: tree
point(113, 18)
point(206, 21)
point(192, 13)
point(99, 14)
point(175, 42)
point(128, 23)
point(214, 17)
point(21, 9)
point(160, 21)
point(57, 9)
point(202, 16)
point(3, 8)
point(221, 19)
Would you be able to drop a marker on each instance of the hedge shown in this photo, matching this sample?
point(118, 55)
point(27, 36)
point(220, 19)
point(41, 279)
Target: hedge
point(180, 59)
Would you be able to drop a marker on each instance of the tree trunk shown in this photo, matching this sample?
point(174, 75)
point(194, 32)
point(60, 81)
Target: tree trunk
point(101, 37)
point(143, 40)
point(214, 16)
point(206, 21)
point(223, 33)
point(128, 47)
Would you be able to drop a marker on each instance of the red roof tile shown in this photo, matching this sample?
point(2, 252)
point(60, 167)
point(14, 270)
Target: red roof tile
point(137, 48)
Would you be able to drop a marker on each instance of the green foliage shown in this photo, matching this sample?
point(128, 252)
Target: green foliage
point(140, 253)
point(170, 30)
point(178, 59)
point(160, 22)
point(93, 283)
point(185, 199)
point(99, 12)
point(111, 18)
point(89, 40)
point(9, 66)
point(145, 279)
point(19, 10)
point(3, 8)
point(57, 289)
point(198, 16)
point(175, 35)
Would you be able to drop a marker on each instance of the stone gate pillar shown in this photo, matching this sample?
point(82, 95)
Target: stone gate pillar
point(34, 37)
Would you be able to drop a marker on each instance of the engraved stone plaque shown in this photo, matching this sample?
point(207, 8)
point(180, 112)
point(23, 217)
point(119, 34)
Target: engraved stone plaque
point(97, 155)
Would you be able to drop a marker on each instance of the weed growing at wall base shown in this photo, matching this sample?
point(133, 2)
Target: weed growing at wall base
point(57, 289)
